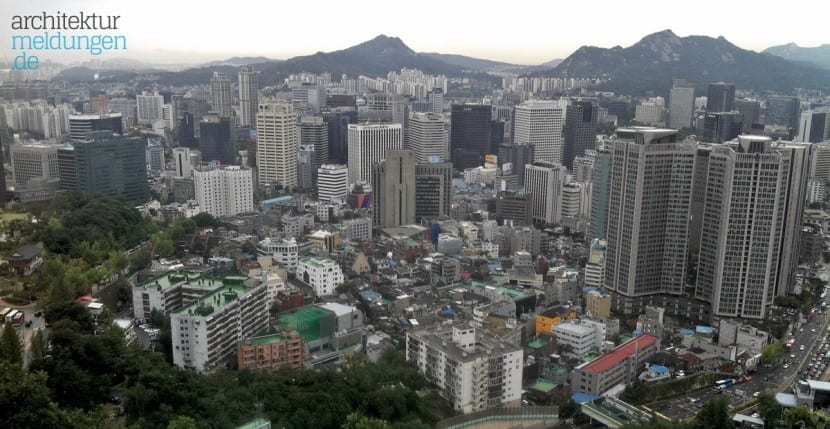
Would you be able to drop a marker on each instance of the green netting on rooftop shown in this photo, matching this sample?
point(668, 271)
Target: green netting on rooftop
point(308, 322)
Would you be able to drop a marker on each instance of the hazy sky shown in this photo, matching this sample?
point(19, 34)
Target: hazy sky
point(518, 31)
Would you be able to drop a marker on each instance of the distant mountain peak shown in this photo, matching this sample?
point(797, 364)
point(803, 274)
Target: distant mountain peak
point(385, 44)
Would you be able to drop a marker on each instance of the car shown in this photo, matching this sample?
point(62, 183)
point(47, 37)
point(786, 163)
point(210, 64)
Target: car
point(756, 415)
point(801, 347)
point(786, 365)
point(800, 329)
point(755, 395)
point(792, 356)
point(693, 400)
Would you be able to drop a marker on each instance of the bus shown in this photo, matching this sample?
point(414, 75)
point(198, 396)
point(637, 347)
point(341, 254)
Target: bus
point(726, 382)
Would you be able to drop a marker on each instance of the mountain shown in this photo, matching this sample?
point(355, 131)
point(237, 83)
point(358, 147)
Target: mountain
point(377, 57)
point(471, 63)
point(238, 61)
point(819, 55)
point(542, 67)
point(651, 63)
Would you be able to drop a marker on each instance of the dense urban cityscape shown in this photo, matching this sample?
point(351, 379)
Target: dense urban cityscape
point(379, 238)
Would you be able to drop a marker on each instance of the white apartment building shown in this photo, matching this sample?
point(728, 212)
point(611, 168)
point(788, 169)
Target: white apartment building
point(368, 145)
point(540, 124)
point(472, 373)
point(322, 274)
point(149, 107)
point(224, 191)
point(332, 182)
point(277, 141)
point(207, 331)
point(285, 252)
point(170, 291)
point(580, 337)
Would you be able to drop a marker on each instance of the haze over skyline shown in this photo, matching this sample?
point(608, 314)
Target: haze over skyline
point(523, 32)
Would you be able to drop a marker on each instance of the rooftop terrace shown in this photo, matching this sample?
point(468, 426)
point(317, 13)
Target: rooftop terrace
point(214, 301)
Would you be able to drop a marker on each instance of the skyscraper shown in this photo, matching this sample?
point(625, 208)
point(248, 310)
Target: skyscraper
point(387, 108)
point(276, 159)
point(470, 134)
point(248, 96)
point(681, 104)
point(720, 97)
point(306, 166)
point(149, 106)
point(539, 124)
point(368, 145)
point(220, 93)
point(338, 119)
point(721, 127)
point(433, 190)
point(648, 228)
point(783, 111)
point(182, 162)
point(814, 126)
point(755, 196)
point(580, 130)
point(427, 137)
point(224, 191)
point(314, 131)
point(544, 181)
point(751, 114)
point(600, 188)
point(393, 184)
point(517, 156)
point(112, 166)
point(215, 139)
point(187, 131)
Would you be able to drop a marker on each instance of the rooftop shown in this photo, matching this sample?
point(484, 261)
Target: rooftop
point(575, 327)
point(168, 279)
point(306, 321)
point(266, 339)
point(543, 385)
point(24, 253)
point(485, 346)
point(214, 301)
point(338, 309)
point(316, 262)
point(622, 352)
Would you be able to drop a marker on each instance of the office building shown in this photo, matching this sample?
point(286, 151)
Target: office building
point(112, 166)
point(539, 124)
point(220, 95)
point(338, 120)
point(393, 183)
point(580, 130)
point(224, 191)
point(322, 274)
point(149, 106)
point(206, 332)
point(358, 229)
point(272, 351)
point(471, 372)
point(513, 158)
point(783, 111)
point(35, 171)
point(308, 98)
point(306, 167)
point(720, 97)
point(332, 182)
point(681, 105)
point(284, 252)
point(544, 182)
point(367, 147)
point(215, 139)
point(814, 126)
point(184, 160)
point(512, 206)
point(315, 132)
point(79, 125)
point(650, 195)
point(186, 131)
point(67, 168)
point(750, 111)
point(582, 339)
point(154, 154)
point(433, 190)
point(428, 138)
point(277, 141)
point(755, 197)
point(619, 366)
point(386, 108)
point(436, 100)
point(248, 96)
point(721, 127)
point(470, 134)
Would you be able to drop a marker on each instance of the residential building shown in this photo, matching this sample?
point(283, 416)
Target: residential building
point(755, 197)
point(598, 305)
point(284, 252)
point(273, 351)
point(322, 274)
point(472, 372)
point(248, 96)
point(170, 291)
point(206, 332)
point(619, 366)
point(368, 145)
point(221, 96)
point(276, 154)
point(224, 191)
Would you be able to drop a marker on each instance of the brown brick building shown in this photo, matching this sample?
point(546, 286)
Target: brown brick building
point(272, 351)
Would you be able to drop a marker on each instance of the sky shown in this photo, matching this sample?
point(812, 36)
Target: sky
point(516, 31)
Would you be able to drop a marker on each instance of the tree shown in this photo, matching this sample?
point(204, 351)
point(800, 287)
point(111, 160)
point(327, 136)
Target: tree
point(10, 349)
point(772, 352)
point(769, 409)
point(357, 421)
point(568, 409)
point(713, 415)
point(24, 399)
point(37, 347)
point(182, 422)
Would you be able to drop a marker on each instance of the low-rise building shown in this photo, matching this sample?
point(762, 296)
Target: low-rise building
point(619, 366)
point(286, 252)
point(272, 351)
point(472, 373)
point(206, 332)
point(581, 338)
point(322, 274)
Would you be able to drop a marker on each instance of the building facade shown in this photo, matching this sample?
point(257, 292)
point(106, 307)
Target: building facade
point(276, 156)
point(322, 274)
point(619, 366)
point(332, 182)
point(393, 183)
point(248, 96)
point(224, 191)
point(272, 351)
point(368, 145)
point(540, 124)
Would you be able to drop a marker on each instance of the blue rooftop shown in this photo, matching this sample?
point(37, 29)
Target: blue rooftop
point(582, 398)
point(370, 296)
point(685, 331)
point(707, 330)
point(658, 369)
point(272, 201)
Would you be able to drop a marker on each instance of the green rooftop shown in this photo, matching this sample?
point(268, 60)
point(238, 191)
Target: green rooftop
point(543, 385)
point(537, 342)
point(516, 294)
point(266, 339)
point(314, 262)
point(214, 301)
point(311, 322)
point(168, 279)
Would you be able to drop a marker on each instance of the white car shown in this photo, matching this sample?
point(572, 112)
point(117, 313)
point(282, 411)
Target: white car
point(786, 365)
point(755, 395)
point(802, 347)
